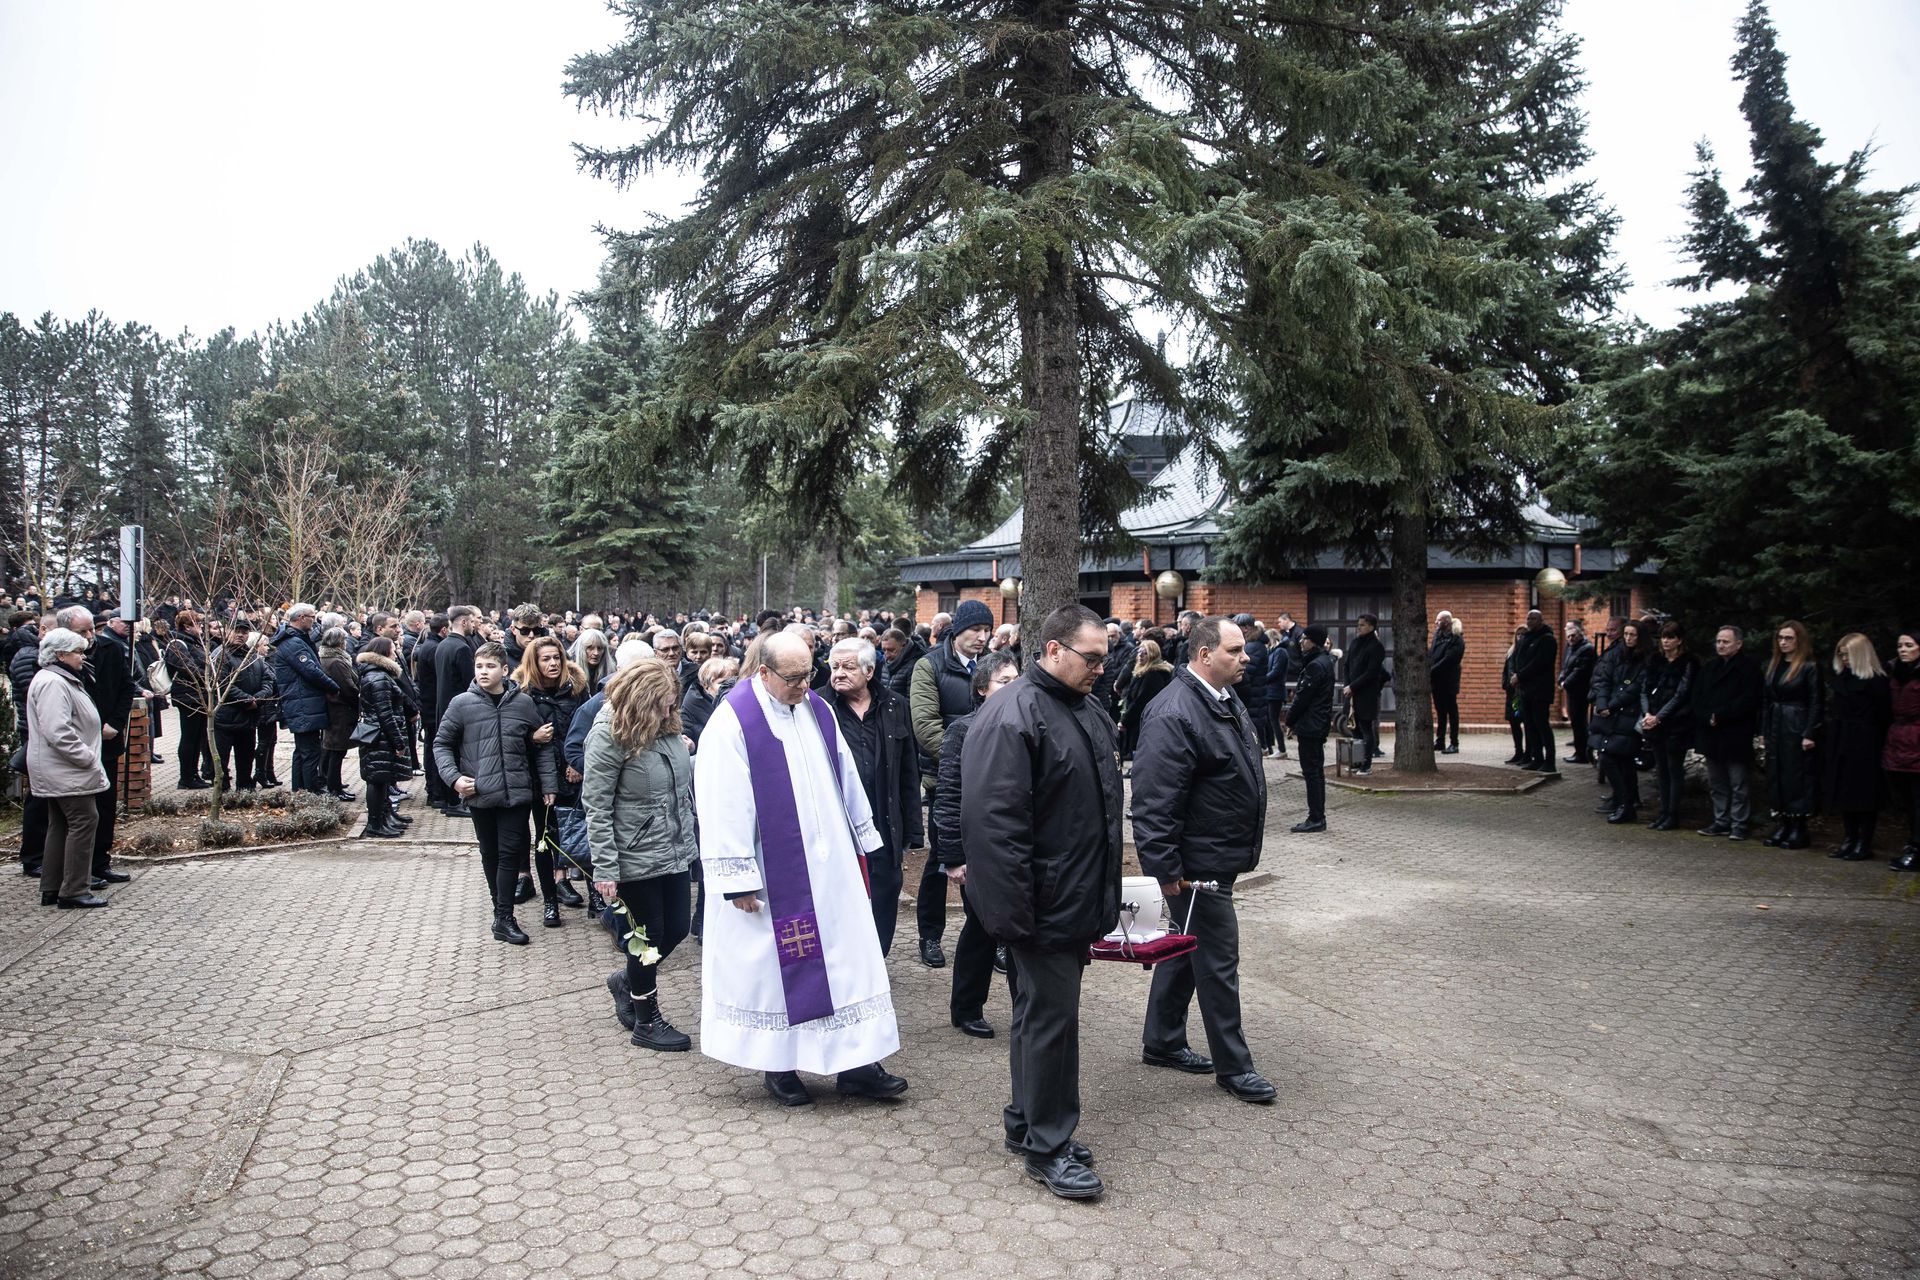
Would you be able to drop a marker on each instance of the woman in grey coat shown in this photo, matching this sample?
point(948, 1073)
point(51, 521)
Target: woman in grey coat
point(637, 790)
point(489, 743)
point(63, 768)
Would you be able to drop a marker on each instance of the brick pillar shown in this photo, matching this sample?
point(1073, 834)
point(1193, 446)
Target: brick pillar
point(136, 762)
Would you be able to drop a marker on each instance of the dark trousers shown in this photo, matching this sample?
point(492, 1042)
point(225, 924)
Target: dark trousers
point(236, 754)
point(266, 739)
point(64, 866)
point(930, 898)
point(1366, 727)
point(543, 817)
point(1577, 716)
point(1313, 774)
point(1670, 770)
point(663, 906)
point(1213, 973)
point(503, 838)
point(1446, 717)
point(1537, 721)
point(972, 966)
point(379, 801)
point(884, 874)
point(437, 787)
point(33, 832)
point(195, 755)
point(1517, 729)
point(1262, 724)
point(1044, 1048)
point(307, 768)
point(332, 762)
point(1906, 794)
point(106, 806)
point(1859, 825)
point(1624, 773)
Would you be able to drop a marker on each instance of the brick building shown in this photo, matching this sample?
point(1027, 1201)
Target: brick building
point(1177, 525)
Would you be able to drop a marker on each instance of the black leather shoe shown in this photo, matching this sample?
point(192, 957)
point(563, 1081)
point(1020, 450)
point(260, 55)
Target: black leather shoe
point(931, 955)
point(457, 811)
point(1000, 961)
point(1778, 839)
point(48, 899)
point(1623, 817)
point(30, 869)
point(1514, 760)
point(568, 895)
point(195, 785)
point(1797, 837)
point(1855, 851)
point(550, 913)
point(523, 890)
point(1081, 1154)
point(390, 831)
point(1607, 805)
point(1249, 1086)
point(1663, 823)
point(651, 1030)
point(345, 797)
point(1714, 829)
point(96, 883)
point(1909, 859)
point(872, 1081)
point(1453, 750)
point(1308, 827)
point(114, 877)
point(81, 903)
point(1179, 1060)
point(622, 997)
point(975, 1027)
point(507, 929)
point(1065, 1177)
point(787, 1090)
point(1737, 833)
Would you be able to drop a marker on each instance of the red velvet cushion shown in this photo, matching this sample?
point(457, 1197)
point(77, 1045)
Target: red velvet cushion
point(1145, 954)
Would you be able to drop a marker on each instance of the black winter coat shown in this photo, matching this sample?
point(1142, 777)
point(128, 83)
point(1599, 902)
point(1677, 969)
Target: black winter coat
point(452, 671)
point(245, 681)
point(109, 680)
point(1726, 708)
point(1366, 673)
point(1141, 691)
point(386, 759)
point(186, 661)
point(21, 670)
point(1199, 787)
point(1669, 694)
point(1043, 807)
point(1576, 673)
point(696, 708)
point(1534, 662)
point(1253, 688)
point(1792, 710)
point(1858, 713)
point(1280, 663)
point(556, 707)
point(899, 673)
point(894, 792)
point(489, 738)
point(949, 832)
point(1310, 714)
point(302, 682)
point(423, 678)
point(1618, 717)
point(1444, 658)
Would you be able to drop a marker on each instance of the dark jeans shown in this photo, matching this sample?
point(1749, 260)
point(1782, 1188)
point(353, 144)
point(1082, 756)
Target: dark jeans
point(1624, 773)
point(1366, 727)
point(884, 874)
point(930, 898)
point(194, 751)
point(1577, 712)
point(1515, 727)
point(1044, 1048)
point(1313, 773)
point(1537, 720)
point(1446, 717)
point(1262, 724)
point(437, 788)
point(308, 770)
point(107, 806)
point(1213, 973)
point(663, 906)
point(972, 966)
point(236, 754)
point(504, 841)
point(266, 738)
point(1670, 770)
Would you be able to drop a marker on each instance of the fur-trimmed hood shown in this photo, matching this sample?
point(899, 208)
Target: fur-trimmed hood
point(379, 660)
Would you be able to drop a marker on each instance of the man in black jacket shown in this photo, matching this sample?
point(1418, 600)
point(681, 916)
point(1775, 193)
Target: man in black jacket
point(1533, 667)
point(1576, 678)
point(1253, 689)
point(1366, 677)
point(874, 725)
point(1281, 656)
point(1444, 658)
point(1043, 808)
point(1200, 813)
point(1726, 716)
point(424, 684)
point(1309, 720)
point(453, 676)
point(108, 677)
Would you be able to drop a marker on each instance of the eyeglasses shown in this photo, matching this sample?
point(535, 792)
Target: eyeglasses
point(1094, 661)
point(792, 682)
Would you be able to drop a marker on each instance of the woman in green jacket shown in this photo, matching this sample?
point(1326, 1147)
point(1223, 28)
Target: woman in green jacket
point(637, 789)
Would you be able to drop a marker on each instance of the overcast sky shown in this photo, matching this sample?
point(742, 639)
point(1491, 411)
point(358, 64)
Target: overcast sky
point(203, 164)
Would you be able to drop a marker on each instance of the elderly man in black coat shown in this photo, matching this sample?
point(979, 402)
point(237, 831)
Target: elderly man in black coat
point(1199, 814)
point(1366, 670)
point(878, 732)
point(1535, 657)
point(1726, 718)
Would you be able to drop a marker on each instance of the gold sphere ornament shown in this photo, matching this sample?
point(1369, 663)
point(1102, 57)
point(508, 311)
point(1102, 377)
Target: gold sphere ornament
point(1550, 582)
point(1009, 587)
point(1169, 585)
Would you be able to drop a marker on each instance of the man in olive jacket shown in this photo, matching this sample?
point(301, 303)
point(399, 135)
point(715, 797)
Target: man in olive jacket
point(1042, 806)
point(1199, 813)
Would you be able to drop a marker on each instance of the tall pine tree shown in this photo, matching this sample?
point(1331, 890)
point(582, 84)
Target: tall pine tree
point(1765, 452)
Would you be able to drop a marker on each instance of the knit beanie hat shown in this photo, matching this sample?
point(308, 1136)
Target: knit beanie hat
point(969, 615)
point(1317, 634)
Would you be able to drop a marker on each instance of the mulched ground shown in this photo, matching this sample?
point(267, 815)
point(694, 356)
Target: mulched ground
point(1451, 777)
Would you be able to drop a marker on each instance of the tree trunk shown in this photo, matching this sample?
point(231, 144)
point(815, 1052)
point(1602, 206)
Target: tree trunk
point(1413, 690)
point(830, 577)
point(1050, 343)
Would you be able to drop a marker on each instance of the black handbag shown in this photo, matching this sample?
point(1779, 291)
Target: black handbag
point(364, 734)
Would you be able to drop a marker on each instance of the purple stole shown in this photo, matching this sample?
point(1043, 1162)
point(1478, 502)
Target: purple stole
point(783, 853)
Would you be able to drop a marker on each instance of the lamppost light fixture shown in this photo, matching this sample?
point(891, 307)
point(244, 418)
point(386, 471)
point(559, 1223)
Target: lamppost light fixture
point(1010, 587)
point(1169, 585)
point(1550, 582)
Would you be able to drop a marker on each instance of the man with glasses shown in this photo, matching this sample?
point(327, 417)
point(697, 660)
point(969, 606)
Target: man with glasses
point(1042, 807)
point(940, 692)
point(784, 832)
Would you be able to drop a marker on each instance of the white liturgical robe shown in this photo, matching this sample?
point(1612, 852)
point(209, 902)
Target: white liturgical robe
point(743, 1010)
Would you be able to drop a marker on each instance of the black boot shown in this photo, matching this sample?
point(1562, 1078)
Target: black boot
point(1797, 837)
point(1778, 840)
point(1624, 816)
point(1909, 859)
point(550, 913)
point(651, 1030)
point(595, 903)
point(523, 889)
point(568, 895)
point(622, 997)
point(507, 929)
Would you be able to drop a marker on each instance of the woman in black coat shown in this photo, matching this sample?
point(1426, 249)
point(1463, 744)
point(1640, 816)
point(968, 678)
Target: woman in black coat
point(558, 686)
point(1791, 716)
point(266, 719)
point(384, 758)
point(1445, 657)
point(243, 682)
point(1151, 674)
point(1859, 709)
point(1621, 713)
point(1514, 706)
point(1667, 725)
point(343, 712)
point(1366, 672)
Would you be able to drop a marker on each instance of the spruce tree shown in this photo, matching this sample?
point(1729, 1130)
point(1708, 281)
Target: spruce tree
point(1764, 453)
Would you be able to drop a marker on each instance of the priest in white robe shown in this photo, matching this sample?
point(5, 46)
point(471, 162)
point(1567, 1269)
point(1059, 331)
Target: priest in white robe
point(792, 973)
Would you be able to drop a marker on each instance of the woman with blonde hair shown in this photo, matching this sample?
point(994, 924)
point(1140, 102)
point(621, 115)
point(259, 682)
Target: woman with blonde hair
point(557, 688)
point(1151, 673)
point(1859, 709)
point(1791, 717)
point(638, 794)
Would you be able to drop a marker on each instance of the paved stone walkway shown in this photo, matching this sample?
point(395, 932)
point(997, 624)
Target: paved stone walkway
point(1508, 1039)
